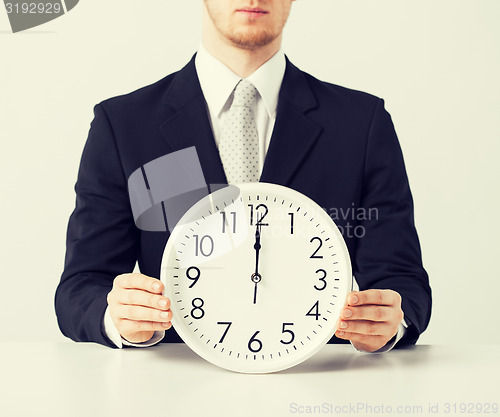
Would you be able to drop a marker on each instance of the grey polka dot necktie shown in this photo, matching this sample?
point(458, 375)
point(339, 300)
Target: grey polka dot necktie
point(239, 143)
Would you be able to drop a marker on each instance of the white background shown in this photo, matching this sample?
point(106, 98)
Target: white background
point(435, 62)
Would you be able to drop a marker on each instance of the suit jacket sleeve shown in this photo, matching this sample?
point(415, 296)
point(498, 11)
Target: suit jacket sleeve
point(388, 256)
point(101, 238)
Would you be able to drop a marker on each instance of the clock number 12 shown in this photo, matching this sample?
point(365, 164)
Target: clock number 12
point(260, 216)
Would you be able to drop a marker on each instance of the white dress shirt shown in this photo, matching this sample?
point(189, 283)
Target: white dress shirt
point(217, 84)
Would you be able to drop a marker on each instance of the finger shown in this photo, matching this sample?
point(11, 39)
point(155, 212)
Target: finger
point(365, 327)
point(139, 282)
point(365, 342)
point(139, 313)
point(131, 326)
point(341, 334)
point(142, 298)
point(374, 297)
point(370, 312)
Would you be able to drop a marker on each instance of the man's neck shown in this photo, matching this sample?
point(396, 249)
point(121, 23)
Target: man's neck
point(242, 62)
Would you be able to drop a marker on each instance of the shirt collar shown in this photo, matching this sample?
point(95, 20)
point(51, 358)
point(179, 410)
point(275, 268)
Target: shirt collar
point(218, 81)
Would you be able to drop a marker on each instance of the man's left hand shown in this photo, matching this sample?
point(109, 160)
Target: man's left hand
point(370, 318)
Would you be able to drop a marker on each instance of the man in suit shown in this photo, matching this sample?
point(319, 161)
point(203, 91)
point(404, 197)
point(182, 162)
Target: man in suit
point(335, 145)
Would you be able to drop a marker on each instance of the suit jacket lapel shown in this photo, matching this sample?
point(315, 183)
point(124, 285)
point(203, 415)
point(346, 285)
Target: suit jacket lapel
point(187, 123)
point(294, 133)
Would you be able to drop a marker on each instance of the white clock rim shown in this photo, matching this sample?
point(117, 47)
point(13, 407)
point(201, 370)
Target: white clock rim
point(178, 324)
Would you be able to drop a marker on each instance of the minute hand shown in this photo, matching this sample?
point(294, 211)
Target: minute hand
point(256, 277)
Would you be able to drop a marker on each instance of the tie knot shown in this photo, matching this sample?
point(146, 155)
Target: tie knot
point(245, 94)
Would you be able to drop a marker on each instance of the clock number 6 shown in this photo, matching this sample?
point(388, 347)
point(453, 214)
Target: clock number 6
point(253, 340)
point(197, 312)
point(292, 335)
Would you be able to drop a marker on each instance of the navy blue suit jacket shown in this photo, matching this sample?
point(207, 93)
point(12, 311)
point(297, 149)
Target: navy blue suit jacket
point(335, 145)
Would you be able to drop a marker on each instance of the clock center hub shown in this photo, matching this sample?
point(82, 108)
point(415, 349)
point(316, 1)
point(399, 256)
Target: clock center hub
point(256, 278)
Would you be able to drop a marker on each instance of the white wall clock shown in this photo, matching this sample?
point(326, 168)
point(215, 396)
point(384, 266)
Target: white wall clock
point(257, 275)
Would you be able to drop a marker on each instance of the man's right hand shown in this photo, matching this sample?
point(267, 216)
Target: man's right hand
point(137, 307)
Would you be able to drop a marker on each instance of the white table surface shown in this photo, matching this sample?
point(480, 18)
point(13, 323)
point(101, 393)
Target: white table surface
point(84, 379)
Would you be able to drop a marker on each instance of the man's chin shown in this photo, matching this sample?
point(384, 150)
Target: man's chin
point(252, 41)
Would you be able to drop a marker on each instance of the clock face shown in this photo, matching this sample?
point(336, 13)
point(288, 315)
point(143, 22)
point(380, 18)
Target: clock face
point(257, 275)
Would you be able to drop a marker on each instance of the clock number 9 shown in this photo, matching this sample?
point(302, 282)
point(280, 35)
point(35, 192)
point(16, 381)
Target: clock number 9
point(199, 245)
point(292, 334)
point(260, 217)
point(196, 277)
point(314, 256)
point(254, 341)
point(197, 312)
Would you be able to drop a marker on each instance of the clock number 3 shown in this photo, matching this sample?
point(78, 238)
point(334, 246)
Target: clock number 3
point(322, 279)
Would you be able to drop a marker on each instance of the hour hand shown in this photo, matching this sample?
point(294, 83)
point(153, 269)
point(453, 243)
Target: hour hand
point(257, 244)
